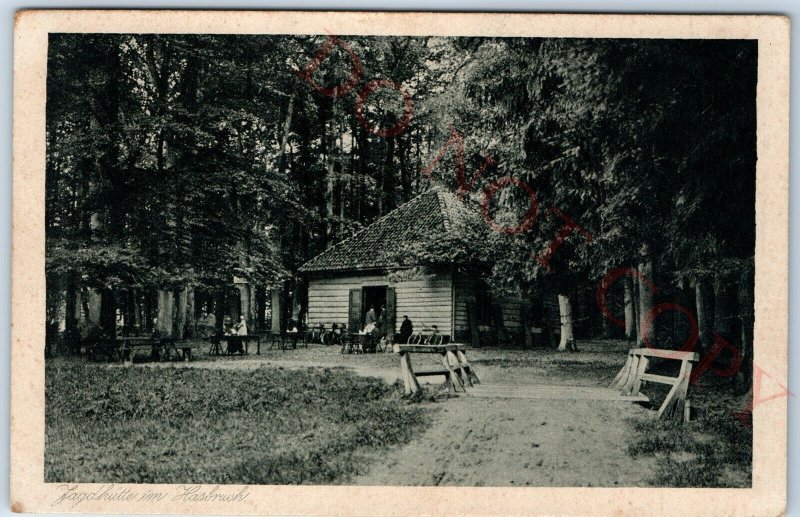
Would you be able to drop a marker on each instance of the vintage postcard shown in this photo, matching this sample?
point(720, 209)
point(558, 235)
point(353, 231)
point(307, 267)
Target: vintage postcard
point(370, 263)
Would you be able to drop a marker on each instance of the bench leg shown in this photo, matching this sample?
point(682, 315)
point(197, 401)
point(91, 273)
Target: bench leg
point(637, 381)
point(673, 406)
point(462, 356)
point(619, 380)
point(455, 385)
point(459, 369)
point(410, 382)
point(627, 385)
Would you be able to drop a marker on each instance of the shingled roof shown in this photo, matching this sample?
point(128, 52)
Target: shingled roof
point(434, 211)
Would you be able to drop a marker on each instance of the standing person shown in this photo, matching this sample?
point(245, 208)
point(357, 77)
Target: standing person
point(406, 329)
point(371, 316)
point(382, 321)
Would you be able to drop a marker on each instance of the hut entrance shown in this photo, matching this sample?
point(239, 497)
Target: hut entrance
point(373, 297)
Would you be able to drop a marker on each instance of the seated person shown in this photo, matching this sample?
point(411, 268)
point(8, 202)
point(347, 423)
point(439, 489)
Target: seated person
point(292, 331)
point(406, 329)
point(368, 342)
point(209, 324)
point(241, 327)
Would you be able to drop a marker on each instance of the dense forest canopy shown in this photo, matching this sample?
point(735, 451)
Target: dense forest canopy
point(180, 164)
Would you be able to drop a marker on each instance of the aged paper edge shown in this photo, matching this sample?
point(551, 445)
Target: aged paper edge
point(767, 496)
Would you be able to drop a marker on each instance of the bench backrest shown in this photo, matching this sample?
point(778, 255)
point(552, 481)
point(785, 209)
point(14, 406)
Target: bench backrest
point(666, 354)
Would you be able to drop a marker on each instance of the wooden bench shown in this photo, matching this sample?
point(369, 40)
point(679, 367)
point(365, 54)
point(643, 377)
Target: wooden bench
point(105, 348)
point(629, 380)
point(455, 368)
point(183, 349)
point(129, 349)
point(126, 348)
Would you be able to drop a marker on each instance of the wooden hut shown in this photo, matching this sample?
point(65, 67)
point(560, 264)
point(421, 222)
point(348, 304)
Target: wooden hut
point(348, 278)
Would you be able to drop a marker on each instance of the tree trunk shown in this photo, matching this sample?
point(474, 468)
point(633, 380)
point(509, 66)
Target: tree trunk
point(647, 325)
point(330, 144)
point(93, 304)
point(276, 309)
point(261, 302)
point(180, 320)
point(747, 315)
point(527, 322)
point(287, 125)
point(166, 309)
point(405, 177)
point(136, 302)
point(147, 312)
point(234, 305)
point(191, 319)
point(630, 313)
point(725, 308)
point(726, 319)
point(565, 313)
point(705, 313)
point(72, 315)
point(219, 311)
point(245, 302)
point(387, 178)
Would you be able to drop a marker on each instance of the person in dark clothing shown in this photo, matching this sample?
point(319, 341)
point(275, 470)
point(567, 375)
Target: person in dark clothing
point(381, 323)
point(406, 329)
point(371, 316)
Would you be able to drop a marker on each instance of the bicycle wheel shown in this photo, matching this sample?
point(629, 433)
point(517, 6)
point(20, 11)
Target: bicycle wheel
point(435, 339)
point(414, 339)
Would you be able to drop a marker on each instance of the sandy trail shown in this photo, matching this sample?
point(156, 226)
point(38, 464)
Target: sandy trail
point(513, 442)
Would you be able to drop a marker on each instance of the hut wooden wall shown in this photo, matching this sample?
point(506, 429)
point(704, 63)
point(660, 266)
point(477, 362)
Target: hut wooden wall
point(512, 314)
point(328, 296)
point(427, 300)
point(463, 295)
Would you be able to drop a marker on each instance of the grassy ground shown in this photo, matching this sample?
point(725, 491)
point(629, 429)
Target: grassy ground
point(313, 415)
point(169, 425)
point(715, 450)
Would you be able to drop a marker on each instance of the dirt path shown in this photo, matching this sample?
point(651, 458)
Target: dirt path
point(477, 441)
point(512, 442)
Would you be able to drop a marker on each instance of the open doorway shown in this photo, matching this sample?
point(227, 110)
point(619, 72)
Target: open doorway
point(373, 297)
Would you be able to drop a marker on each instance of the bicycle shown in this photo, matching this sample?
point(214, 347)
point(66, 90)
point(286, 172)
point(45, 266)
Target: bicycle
point(434, 338)
point(334, 336)
point(315, 334)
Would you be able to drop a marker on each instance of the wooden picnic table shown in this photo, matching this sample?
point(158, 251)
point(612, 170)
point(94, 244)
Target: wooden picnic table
point(455, 368)
point(127, 347)
point(235, 342)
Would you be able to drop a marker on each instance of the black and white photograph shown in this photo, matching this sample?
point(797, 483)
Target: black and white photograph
point(399, 261)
